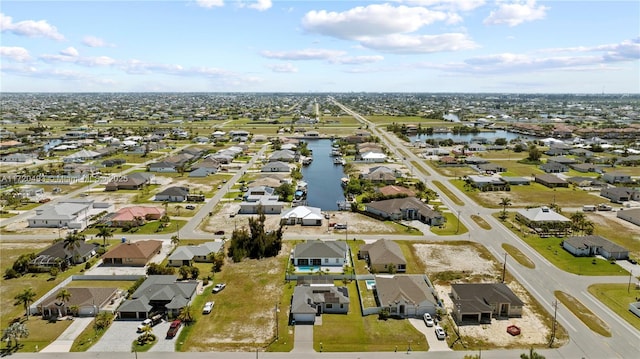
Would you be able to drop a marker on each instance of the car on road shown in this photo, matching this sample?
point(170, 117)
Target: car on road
point(190, 206)
point(44, 200)
point(173, 328)
point(219, 233)
point(440, 333)
point(208, 306)
point(219, 287)
point(632, 261)
point(428, 320)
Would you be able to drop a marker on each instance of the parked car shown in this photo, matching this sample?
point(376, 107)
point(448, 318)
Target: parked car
point(339, 226)
point(173, 328)
point(150, 322)
point(440, 333)
point(208, 306)
point(44, 200)
point(190, 206)
point(427, 319)
point(219, 287)
point(219, 233)
point(632, 261)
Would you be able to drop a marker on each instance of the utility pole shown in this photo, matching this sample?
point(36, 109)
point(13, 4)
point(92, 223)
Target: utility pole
point(458, 225)
point(504, 267)
point(553, 328)
point(629, 286)
point(277, 329)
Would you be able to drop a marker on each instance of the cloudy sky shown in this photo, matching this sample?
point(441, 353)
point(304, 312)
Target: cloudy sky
point(525, 46)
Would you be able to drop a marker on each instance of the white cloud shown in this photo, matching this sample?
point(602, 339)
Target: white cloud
point(306, 54)
point(29, 28)
point(451, 5)
point(69, 51)
point(357, 60)
point(625, 50)
point(19, 54)
point(413, 44)
point(210, 3)
point(516, 13)
point(260, 5)
point(92, 41)
point(283, 68)
point(371, 21)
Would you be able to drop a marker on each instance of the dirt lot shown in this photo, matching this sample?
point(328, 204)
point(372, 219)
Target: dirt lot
point(438, 258)
point(356, 223)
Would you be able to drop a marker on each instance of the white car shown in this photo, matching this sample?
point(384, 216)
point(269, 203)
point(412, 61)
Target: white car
point(208, 306)
point(145, 323)
point(427, 319)
point(218, 287)
point(440, 333)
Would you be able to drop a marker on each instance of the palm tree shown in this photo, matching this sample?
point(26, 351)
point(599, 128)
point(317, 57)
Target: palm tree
point(64, 295)
point(505, 202)
point(72, 242)
point(25, 298)
point(147, 331)
point(532, 355)
point(178, 208)
point(105, 233)
point(186, 314)
point(175, 240)
point(578, 221)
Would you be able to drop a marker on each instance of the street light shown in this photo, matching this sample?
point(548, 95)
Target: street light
point(504, 268)
point(629, 286)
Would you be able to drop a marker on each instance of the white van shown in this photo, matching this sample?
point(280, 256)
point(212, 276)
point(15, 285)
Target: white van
point(589, 208)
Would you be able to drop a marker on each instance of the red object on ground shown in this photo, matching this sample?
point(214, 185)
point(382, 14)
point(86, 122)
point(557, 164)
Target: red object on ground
point(513, 330)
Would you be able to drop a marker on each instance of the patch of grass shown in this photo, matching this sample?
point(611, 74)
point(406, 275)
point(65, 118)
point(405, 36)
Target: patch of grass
point(87, 338)
point(420, 167)
point(551, 249)
point(617, 297)
point(451, 227)
point(358, 333)
point(7, 214)
point(358, 264)
point(137, 348)
point(414, 264)
point(583, 313)
point(148, 228)
point(368, 298)
point(455, 172)
point(481, 222)
point(448, 193)
point(41, 333)
point(520, 257)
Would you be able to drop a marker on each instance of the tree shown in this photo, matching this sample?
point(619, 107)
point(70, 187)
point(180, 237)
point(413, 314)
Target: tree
point(25, 298)
point(147, 332)
point(15, 331)
point(64, 295)
point(104, 233)
point(534, 154)
point(175, 240)
point(178, 208)
point(72, 240)
point(186, 314)
point(255, 243)
point(103, 320)
point(505, 202)
point(185, 272)
point(532, 355)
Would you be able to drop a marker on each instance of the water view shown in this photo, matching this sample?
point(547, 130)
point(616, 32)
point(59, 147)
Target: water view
point(323, 177)
point(490, 136)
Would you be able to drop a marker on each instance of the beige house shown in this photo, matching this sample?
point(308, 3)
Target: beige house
point(136, 254)
point(383, 256)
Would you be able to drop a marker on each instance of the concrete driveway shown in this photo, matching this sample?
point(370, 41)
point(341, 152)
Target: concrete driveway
point(164, 344)
point(435, 345)
point(121, 334)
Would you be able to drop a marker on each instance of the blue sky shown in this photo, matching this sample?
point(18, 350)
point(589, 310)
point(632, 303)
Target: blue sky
point(523, 46)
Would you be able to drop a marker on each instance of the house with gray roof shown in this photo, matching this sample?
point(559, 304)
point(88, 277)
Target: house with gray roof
point(321, 253)
point(173, 194)
point(475, 303)
point(159, 293)
point(616, 177)
point(135, 180)
point(630, 215)
point(554, 167)
point(81, 156)
point(58, 256)
point(408, 208)
point(186, 255)
point(620, 194)
point(487, 183)
point(383, 255)
point(588, 246)
point(543, 220)
point(276, 166)
point(18, 157)
point(282, 156)
point(73, 214)
point(310, 301)
point(381, 174)
point(406, 296)
point(551, 181)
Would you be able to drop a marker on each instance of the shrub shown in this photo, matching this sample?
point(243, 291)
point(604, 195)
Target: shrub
point(11, 273)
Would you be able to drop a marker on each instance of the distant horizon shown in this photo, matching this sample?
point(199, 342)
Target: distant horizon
point(326, 92)
point(275, 46)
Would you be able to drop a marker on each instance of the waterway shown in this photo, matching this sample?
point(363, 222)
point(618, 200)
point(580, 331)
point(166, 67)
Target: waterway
point(323, 177)
point(467, 137)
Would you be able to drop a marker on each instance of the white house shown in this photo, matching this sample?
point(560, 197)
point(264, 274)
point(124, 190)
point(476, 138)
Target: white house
point(374, 157)
point(186, 255)
point(307, 216)
point(321, 253)
point(73, 214)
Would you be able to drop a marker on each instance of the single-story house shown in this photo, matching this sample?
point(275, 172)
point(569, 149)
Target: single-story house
point(321, 253)
point(491, 168)
point(406, 295)
point(475, 160)
point(381, 174)
point(133, 216)
point(393, 190)
point(408, 208)
point(282, 156)
point(135, 180)
point(587, 246)
point(173, 194)
point(268, 204)
point(383, 255)
point(158, 293)
point(304, 215)
point(487, 183)
point(630, 215)
point(616, 177)
point(186, 255)
point(478, 302)
point(373, 157)
point(516, 181)
point(81, 156)
point(276, 166)
point(73, 214)
point(585, 167)
point(550, 180)
point(57, 255)
point(31, 192)
point(17, 157)
point(562, 160)
point(543, 219)
point(554, 167)
point(88, 302)
point(136, 254)
point(620, 194)
point(635, 308)
point(309, 301)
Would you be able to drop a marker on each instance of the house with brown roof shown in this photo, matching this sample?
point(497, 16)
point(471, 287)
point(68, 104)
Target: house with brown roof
point(136, 254)
point(88, 302)
point(383, 255)
point(475, 303)
point(393, 190)
point(133, 216)
point(406, 295)
point(550, 180)
point(135, 180)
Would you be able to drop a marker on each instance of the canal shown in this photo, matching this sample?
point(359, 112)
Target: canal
point(323, 177)
point(468, 137)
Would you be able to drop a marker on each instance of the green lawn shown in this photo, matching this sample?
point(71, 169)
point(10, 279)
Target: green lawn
point(520, 257)
point(552, 250)
point(583, 313)
point(481, 222)
point(448, 193)
point(357, 333)
point(41, 333)
point(617, 297)
point(152, 227)
point(451, 227)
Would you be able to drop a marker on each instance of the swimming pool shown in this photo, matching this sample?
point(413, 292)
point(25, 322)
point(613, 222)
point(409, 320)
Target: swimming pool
point(307, 268)
point(371, 283)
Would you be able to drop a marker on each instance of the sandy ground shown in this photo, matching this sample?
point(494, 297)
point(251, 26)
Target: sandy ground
point(439, 258)
point(356, 223)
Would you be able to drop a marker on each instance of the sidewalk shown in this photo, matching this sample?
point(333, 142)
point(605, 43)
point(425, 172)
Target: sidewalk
point(63, 343)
